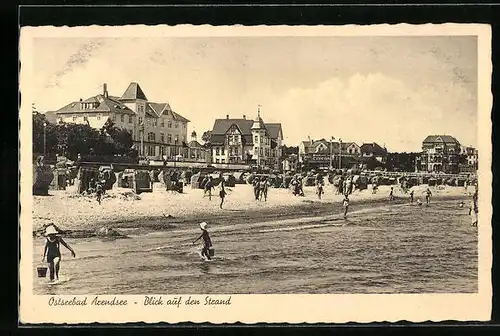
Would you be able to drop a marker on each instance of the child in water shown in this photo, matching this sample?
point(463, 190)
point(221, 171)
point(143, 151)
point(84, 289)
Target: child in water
point(207, 252)
point(53, 252)
point(345, 204)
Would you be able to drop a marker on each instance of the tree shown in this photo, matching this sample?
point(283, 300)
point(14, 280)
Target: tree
point(38, 135)
point(290, 150)
point(121, 138)
point(206, 136)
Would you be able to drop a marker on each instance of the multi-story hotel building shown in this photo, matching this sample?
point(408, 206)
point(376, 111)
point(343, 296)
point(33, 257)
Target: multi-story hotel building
point(440, 153)
point(158, 132)
point(246, 141)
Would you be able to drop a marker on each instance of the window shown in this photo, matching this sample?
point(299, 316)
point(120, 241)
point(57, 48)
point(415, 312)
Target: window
point(155, 123)
point(176, 125)
point(169, 124)
point(169, 138)
point(162, 123)
point(222, 150)
point(223, 161)
point(74, 118)
point(129, 119)
point(85, 118)
point(151, 136)
point(256, 139)
point(140, 121)
point(99, 117)
point(256, 150)
point(216, 160)
point(122, 118)
point(162, 137)
point(217, 151)
point(261, 152)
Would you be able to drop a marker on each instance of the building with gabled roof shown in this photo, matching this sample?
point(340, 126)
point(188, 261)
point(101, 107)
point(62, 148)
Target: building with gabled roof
point(440, 153)
point(323, 153)
point(246, 141)
point(373, 149)
point(158, 131)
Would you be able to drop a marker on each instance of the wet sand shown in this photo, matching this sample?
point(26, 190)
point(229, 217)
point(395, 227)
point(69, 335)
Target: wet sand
point(82, 216)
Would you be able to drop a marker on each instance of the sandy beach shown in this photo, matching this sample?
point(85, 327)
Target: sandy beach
point(121, 208)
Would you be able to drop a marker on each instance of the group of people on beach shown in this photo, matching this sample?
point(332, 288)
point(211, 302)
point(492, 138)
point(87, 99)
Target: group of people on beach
point(209, 185)
point(260, 188)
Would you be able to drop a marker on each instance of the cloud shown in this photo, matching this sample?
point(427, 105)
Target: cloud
point(367, 108)
point(75, 60)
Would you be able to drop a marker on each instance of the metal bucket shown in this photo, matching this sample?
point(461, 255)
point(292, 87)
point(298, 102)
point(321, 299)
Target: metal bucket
point(42, 271)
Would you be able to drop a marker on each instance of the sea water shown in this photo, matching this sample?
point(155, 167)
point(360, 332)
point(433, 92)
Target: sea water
point(390, 249)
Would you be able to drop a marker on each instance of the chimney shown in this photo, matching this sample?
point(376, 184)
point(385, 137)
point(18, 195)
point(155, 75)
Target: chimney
point(105, 90)
point(244, 116)
point(227, 116)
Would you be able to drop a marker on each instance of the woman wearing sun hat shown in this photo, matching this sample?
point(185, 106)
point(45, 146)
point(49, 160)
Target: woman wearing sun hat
point(207, 250)
point(53, 251)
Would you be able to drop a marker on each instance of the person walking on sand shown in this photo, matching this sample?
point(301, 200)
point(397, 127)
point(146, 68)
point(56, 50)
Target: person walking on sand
point(263, 189)
point(208, 188)
point(319, 188)
point(411, 195)
point(256, 188)
point(428, 195)
point(374, 188)
point(345, 204)
point(53, 252)
point(466, 183)
point(207, 251)
point(99, 191)
point(391, 194)
point(222, 191)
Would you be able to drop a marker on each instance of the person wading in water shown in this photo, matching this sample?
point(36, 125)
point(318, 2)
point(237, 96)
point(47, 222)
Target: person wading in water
point(53, 252)
point(207, 251)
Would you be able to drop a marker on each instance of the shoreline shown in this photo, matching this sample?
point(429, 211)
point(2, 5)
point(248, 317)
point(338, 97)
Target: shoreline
point(285, 206)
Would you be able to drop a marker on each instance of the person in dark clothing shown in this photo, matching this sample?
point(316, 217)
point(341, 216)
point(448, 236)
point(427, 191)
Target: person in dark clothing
point(391, 194)
point(222, 191)
point(428, 195)
point(207, 252)
point(208, 188)
point(319, 188)
point(53, 252)
point(411, 196)
point(256, 188)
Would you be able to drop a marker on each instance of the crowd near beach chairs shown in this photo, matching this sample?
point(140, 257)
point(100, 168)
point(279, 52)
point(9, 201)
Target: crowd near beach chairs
point(99, 179)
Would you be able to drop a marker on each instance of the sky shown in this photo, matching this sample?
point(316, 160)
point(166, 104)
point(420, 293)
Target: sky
point(390, 90)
